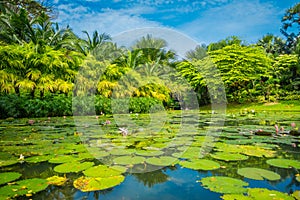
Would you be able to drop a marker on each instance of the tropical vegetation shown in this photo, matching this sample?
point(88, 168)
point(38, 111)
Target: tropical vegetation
point(45, 68)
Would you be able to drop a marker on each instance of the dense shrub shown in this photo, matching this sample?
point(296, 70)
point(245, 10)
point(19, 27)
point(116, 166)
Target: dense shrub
point(59, 105)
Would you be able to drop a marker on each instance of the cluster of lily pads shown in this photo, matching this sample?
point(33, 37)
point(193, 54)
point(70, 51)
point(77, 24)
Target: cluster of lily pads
point(92, 155)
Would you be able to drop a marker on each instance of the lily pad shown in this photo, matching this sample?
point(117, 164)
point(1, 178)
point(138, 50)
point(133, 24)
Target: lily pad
point(73, 167)
point(263, 193)
point(7, 177)
point(63, 159)
point(4, 163)
point(162, 161)
point(37, 159)
point(258, 174)
point(226, 156)
point(284, 163)
point(296, 194)
point(87, 184)
point(57, 180)
point(24, 187)
point(222, 184)
point(149, 153)
point(101, 171)
point(129, 160)
point(235, 197)
point(200, 164)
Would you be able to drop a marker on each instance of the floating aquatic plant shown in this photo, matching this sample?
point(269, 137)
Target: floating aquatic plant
point(102, 171)
point(222, 184)
point(200, 164)
point(25, 187)
point(284, 163)
point(87, 184)
point(258, 174)
point(73, 167)
point(7, 177)
point(226, 156)
point(57, 180)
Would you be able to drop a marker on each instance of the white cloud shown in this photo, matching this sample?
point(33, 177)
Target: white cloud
point(240, 17)
point(108, 21)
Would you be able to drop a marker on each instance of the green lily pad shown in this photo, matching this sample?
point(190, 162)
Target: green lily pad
point(57, 180)
point(37, 159)
point(200, 164)
point(63, 159)
point(73, 167)
point(298, 178)
point(87, 184)
point(149, 153)
point(4, 163)
point(129, 160)
point(296, 194)
point(7, 177)
point(119, 168)
point(101, 171)
point(263, 193)
point(222, 184)
point(256, 151)
point(162, 161)
point(235, 197)
point(226, 156)
point(284, 163)
point(258, 174)
point(24, 187)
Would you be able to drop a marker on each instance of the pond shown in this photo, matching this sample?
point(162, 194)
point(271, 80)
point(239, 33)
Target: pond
point(168, 155)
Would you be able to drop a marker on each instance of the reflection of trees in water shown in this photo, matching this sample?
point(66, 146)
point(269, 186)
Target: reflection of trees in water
point(149, 179)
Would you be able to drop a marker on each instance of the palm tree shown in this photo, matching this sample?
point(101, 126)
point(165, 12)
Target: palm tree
point(88, 45)
point(199, 53)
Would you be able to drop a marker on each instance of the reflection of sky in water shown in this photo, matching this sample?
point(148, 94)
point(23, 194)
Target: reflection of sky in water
point(181, 184)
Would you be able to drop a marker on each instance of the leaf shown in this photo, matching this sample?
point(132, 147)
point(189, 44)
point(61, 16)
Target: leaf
point(56, 180)
point(228, 156)
point(7, 177)
point(129, 160)
point(101, 171)
point(73, 167)
point(258, 174)
point(20, 188)
point(200, 164)
point(284, 163)
point(222, 184)
point(265, 194)
point(87, 184)
point(162, 161)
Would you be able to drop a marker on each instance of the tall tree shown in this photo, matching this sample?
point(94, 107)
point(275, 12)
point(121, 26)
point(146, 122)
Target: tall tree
point(291, 26)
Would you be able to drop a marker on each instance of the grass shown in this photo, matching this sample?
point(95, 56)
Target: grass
point(273, 106)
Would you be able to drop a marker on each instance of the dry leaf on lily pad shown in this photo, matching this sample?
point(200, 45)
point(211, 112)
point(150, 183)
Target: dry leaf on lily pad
point(87, 184)
point(57, 180)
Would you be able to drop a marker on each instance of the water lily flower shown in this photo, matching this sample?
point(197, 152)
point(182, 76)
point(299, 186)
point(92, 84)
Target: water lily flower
point(21, 157)
point(123, 131)
point(293, 125)
point(31, 121)
point(276, 128)
point(64, 117)
point(97, 117)
point(107, 122)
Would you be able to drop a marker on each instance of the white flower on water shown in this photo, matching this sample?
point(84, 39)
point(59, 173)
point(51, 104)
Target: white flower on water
point(123, 131)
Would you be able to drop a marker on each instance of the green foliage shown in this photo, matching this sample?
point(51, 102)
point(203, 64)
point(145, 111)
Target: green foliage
point(242, 68)
point(222, 184)
point(258, 174)
point(7, 177)
point(200, 164)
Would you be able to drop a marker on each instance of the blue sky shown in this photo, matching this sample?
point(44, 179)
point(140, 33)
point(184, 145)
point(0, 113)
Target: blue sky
point(204, 21)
